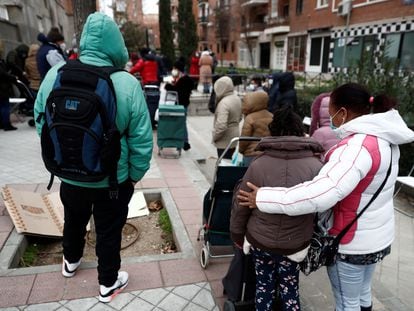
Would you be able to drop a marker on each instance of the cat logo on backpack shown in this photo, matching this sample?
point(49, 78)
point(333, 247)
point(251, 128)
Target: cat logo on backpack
point(80, 140)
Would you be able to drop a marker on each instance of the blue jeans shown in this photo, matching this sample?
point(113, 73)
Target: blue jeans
point(272, 271)
point(351, 285)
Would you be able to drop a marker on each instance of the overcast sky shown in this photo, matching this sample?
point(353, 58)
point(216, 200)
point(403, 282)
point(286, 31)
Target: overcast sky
point(150, 6)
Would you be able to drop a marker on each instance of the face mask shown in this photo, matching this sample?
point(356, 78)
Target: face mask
point(251, 87)
point(270, 81)
point(332, 126)
point(174, 73)
point(62, 46)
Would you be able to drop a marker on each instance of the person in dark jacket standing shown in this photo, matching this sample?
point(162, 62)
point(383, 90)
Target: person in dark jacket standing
point(16, 60)
point(287, 92)
point(6, 81)
point(278, 242)
point(50, 52)
point(183, 85)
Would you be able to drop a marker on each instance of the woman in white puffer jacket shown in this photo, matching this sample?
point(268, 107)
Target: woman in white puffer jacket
point(370, 131)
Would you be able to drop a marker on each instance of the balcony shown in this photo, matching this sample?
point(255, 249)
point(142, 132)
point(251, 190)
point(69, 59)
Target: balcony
point(253, 30)
point(252, 3)
point(202, 1)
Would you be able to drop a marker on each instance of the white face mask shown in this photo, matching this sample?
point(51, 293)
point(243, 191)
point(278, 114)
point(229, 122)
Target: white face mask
point(63, 46)
point(174, 73)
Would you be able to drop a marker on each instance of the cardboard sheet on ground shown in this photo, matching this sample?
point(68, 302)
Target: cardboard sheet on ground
point(43, 214)
point(34, 213)
point(137, 205)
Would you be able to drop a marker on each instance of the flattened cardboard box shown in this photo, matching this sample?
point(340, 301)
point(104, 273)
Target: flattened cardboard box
point(34, 213)
point(43, 214)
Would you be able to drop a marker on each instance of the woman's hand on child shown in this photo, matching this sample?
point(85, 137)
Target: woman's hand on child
point(248, 199)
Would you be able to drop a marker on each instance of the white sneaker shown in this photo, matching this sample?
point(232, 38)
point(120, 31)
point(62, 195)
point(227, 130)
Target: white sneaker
point(69, 269)
point(106, 294)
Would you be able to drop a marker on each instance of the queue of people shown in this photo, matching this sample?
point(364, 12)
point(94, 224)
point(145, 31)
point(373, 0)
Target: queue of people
point(291, 177)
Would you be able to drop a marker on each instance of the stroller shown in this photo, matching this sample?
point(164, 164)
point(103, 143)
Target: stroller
point(217, 206)
point(171, 125)
point(23, 103)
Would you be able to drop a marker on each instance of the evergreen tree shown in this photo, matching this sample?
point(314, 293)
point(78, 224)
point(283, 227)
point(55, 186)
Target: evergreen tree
point(81, 11)
point(187, 31)
point(166, 34)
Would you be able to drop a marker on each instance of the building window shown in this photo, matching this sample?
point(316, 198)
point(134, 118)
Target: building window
point(299, 7)
point(3, 12)
point(274, 12)
point(225, 47)
point(322, 3)
point(399, 46)
point(355, 48)
point(218, 47)
point(232, 46)
point(296, 53)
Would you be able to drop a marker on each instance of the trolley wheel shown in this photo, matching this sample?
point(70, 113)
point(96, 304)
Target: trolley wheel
point(229, 306)
point(204, 257)
point(31, 122)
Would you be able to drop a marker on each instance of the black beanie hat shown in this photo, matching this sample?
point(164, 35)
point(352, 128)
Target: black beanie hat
point(54, 35)
point(179, 65)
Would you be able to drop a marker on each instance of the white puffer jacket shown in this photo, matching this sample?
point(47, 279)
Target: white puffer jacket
point(344, 182)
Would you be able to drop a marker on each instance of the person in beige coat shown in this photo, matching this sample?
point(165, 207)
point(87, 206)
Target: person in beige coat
point(206, 65)
point(30, 67)
point(226, 117)
point(256, 123)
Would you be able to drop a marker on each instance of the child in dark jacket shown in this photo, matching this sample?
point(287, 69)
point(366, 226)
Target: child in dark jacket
point(278, 242)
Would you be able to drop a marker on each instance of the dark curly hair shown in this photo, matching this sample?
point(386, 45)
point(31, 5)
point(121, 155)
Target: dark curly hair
point(286, 123)
point(357, 98)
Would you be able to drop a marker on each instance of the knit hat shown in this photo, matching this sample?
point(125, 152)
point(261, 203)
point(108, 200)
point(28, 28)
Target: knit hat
point(179, 65)
point(54, 35)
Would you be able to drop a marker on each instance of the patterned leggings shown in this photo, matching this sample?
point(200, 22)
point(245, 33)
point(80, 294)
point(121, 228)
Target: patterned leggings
point(272, 269)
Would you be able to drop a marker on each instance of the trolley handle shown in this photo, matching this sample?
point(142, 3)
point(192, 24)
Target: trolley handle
point(232, 141)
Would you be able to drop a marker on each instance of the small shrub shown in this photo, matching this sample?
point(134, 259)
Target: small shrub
point(29, 256)
point(164, 221)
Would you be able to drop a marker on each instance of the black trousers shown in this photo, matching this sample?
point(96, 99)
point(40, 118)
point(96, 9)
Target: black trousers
point(109, 215)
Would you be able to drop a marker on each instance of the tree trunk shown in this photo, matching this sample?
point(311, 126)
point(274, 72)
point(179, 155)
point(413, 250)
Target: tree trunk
point(81, 11)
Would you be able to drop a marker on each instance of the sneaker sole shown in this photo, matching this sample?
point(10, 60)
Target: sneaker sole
point(114, 294)
point(67, 274)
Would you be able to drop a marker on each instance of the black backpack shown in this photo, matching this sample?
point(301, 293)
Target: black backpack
point(80, 140)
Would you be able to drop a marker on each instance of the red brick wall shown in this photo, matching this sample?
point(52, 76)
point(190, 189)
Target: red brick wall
point(312, 18)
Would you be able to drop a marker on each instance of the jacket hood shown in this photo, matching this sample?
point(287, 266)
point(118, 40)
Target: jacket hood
point(254, 101)
point(22, 48)
point(33, 49)
point(223, 87)
point(286, 82)
point(42, 38)
point(324, 118)
point(387, 125)
point(102, 43)
point(283, 144)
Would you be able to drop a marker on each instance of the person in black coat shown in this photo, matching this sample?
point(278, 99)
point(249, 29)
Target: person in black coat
point(282, 92)
point(6, 91)
point(183, 85)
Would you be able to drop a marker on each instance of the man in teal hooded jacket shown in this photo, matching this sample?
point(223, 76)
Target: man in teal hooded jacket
point(102, 45)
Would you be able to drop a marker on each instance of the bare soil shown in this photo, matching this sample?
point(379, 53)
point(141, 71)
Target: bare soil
point(149, 239)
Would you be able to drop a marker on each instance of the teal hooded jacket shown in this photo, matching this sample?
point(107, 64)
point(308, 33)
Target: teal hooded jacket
point(102, 44)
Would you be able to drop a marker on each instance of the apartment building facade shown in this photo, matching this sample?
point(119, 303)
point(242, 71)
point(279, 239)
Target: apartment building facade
point(313, 36)
point(22, 20)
